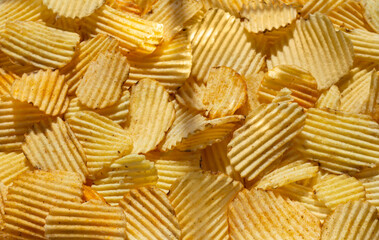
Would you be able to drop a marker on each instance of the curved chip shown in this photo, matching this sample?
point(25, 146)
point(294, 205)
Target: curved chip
point(322, 6)
point(12, 164)
point(366, 45)
point(371, 13)
point(73, 8)
point(191, 94)
point(38, 45)
point(330, 98)
point(200, 200)
point(150, 215)
point(149, 101)
point(6, 81)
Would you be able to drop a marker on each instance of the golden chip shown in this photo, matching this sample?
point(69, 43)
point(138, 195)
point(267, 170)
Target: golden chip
point(9, 65)
point(370, 180)
point(6, 81)
point(322, 6)
point(73, 8)
point(90, 194)
point(330, 98)
point(12, 164)
point(366, 45)
point(252, 82)
point(145, 5)
point(371, 13)
point(232, 6)
point(191, 94)
point(128, 6)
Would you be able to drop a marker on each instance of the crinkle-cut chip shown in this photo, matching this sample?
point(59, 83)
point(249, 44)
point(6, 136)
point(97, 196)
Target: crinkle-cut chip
point(306, 197)
point(315, 46)
point(221, 40)
point(173, 14)
point(124, 174)
point(264, 137)
point(88, 220)
point(232, 6)
point(195, 19)
point(258, 214)
point(90, 194)
point(36, 44)
point(15, 120)
point(200, 200)
point(128, 6)
point(117, 113)
point(31, 197)
point(8, 65)
point(214, 158)
point(45, 89)
point(150, 215)
point(355, 220)
point(101, 85)
point(322, 6)
point(102, 139)
point(283, 96)
point(6, 81)
point(170, 64)
point(370, 180)
point(62, 23)
point(371, 13)
point(51, 145)
point(340, 142)
point(373, 101)
point(334, 190)
point(224, 92)
point(366, 45)
point(12, 164)
point(260, 16)
point(330, 98)
point(73, 8)
point(149, 100)
point(145, 5)
point(172, 165)
point(191, 94)
point(301, 83)
point(135, 35)
point(3, 198)
point(253, 82)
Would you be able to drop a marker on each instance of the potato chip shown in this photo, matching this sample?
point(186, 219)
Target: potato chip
point(301, 83)
point(117, 113)
point(170, 64)
point(260, 16)
point(214, 43)
point(262, 215)
point(12, 164)
point(60, 22)
point(200, 200)
point(195, 19)
point(135, 35)
point(315, 46)
point(371, 13)
point(31, 197)
point(340, 142)
point(46, 90)
point(102, 139)
point(38, 45)
point(15, 120)
point(73, 8)
point(322, 6)
point(88, 220)
point(128, 6)
point(124, 174)
point(370, 180)
point(9, 65)
point(355, 220)
point(6, 81)
point(191, 94)
point(330, 98)
point(145, 5)
point(366, 45)
point(232, 6)
point(252, 82)
point(150, 215)
point(149, 100)
point(90, 194)
point(51, 145)
point(3, 198)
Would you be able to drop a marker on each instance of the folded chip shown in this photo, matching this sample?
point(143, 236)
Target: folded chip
point(6, 81)
point(371, 13)
point(102, 139)
point(150, 215)
point(134, 34)
point(51, 145)
point(258, 214)
point(45, 90)
point(90, 194)
point(191, 94)
point(366, 45)
point(200, 200)
point(149, 101)
point(330, 98)
point(370, 180)
point(88, 220)
point(128, 6)
point(340, 142)
point(231, 6)
point(38, 45)
point(12, 164)
point(124, 174)
point(31, 197)
point(321, 6)
point(221, 40)
point(354, 220)
point(73, 8)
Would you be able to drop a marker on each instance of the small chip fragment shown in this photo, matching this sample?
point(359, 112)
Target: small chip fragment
point(191, 94)
point(330, 98)
point(73, 8)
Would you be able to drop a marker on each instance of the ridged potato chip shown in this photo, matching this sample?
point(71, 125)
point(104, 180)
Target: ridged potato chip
point(253, 83)
point(46, 90)
point(200, 200)
point(370, 180)
point(150, 215)
point(232, 6)
point(149, 100)
point(371, 13)
point(73, 8)
point(3, 198)
point(90, 194)
point(12, 164)
point(191, 94)
point(60, 22)
point(38, 45)
point(102, 139)
point(330, 98)
point(322, 6)
point(145, 5)
point(9, 65)
point(6, 81)
point(51, 145)
point(264, 215)
point(366, 45)
point(128, 6)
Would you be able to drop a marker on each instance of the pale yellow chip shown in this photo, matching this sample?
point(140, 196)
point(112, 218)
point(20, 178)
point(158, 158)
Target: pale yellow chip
point(370, 180)
point(371, 13)
point(340, 142)
point(262, 215)
point(6, 81)
point(89, 220)
point(315, 46)
point(151, 115)
point(73, 8)
point(200, 200)
point(51, 145)
point(12, 164)
point(90, 194)
point(150, 215)
point(366, 45)
point(191, 94)
point(45, 89)
point(232, 6)
point(39, 45)
point(135, 35)
point(128, 6)
point(355, 220)
point(221, 40)
point(330, 98)
point(253, 83)
point(102, 139)
point(322, 6)
point(31, 197)
point(124, 174)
